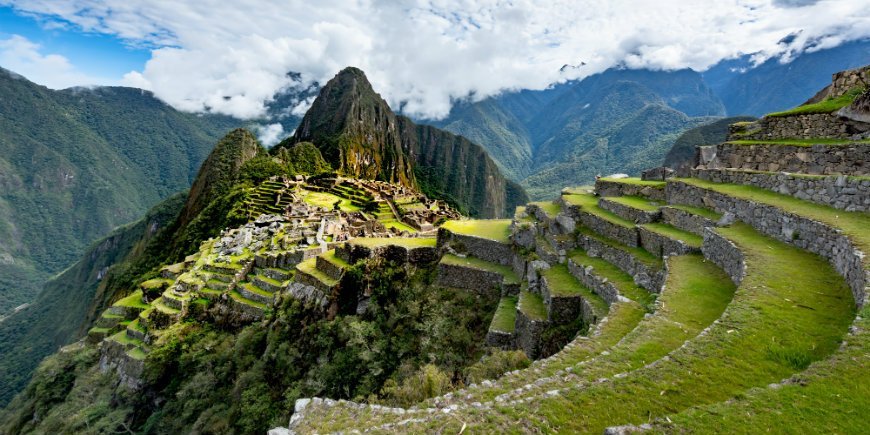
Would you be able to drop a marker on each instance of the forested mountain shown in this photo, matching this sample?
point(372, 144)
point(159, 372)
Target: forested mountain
point(682, 152)
point(76, 163)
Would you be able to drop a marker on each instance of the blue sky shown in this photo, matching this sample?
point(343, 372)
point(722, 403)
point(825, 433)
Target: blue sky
point(93, 54)
point(233, 56)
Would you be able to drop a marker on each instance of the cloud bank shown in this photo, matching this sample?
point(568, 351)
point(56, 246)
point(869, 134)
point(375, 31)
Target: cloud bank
point(231, 57)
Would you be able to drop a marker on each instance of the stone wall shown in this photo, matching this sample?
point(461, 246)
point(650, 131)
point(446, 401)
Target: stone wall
point(661, 245)
point(725, 254)
point(646, 276)
point(528, 334)
point(818, 159)
point(612, 188)
point(331, 269)
point(630, 213)
point(844, 81)
point(686, 221)
point(625, 235)
point(806, 126)
point(114, 357)
point(564, 309)
point(485, 249)
point(600, 286)
point(500, 339)
point(838, 191)
point(468, 278)
point(804, 233)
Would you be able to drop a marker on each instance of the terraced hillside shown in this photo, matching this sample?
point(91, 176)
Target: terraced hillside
point(729, 301)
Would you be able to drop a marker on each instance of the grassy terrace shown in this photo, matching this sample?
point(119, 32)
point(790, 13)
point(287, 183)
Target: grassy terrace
point(406, 242)
point(699, 211)
point(831, 397)
point(825, 106)
point(621, 280)
point(133, 300)
point(506, 271)
point(328, 200)
point(854, 224)
point(589, 204)
point(330, 257)
point(560, 282)
point(635, 181)
point(800, 142)
point(400, 226)
point(492, 229)
point(641, 254)
point(532, 306)
point(238, 297)
point(256, 290)
point(696, 294)
point(637, 202)
point(675, 233)
point(792, 309)
point(505, 315)
point(806, 176)
point(549, 207)
point(309, 266)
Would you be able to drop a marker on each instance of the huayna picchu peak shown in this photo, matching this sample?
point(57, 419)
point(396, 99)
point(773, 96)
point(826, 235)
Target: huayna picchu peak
point(358, 133)
point(369, 274)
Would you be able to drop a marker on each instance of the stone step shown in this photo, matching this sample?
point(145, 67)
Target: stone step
point(108, 320)
point(838, 191)
point(820, 157)
point(607, 280)
point(307, 273)
point(223, 277)
point(268, 284)
point(216, 285)
point(647, 269)
point(477, 275)
point(223, 268)
point(654, 190)
point(255, 293)
point(566, 298)
point(276, 273)
point(691, 219)
point(487, 239)
point(503, 325)
point(662, 239)
point(530, 323)
point(634, 209)
point(172, 300)
point(136, 331)
point(585, 210)
point(249, 310)
point(331, 265)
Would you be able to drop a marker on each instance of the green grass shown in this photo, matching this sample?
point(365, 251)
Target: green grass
point(636, 181)
point(699, 211)
point(504, 319)
point(637, 202)
point(510, 277)
point(621, 280)
point(854, 224)
point(162, 307)
point(641, 254)
point(155, 283)
point(328, 200)
point(800, 142)
point(831, 397)
point(309, 266)
point(406, 242)
point(826, 106)
point(135, 325)
point(532, 306)
point(133, 300)
point(560, 282)
point(121, 337)
point(137, 353)
point(330, 257)
point(675, 233)
point(549, 207)
point(589, 204)
point(791, 303)
point(492, 229)
point(238, 297)
point(256, 290)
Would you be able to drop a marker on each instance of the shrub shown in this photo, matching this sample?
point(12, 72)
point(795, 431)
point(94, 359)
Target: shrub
point(429, 381)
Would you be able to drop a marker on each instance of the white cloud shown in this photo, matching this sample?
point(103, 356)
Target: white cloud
point(24, 57)
point(270, 134)
point(231, 57)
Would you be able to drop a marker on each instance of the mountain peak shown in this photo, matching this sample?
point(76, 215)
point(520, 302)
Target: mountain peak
point(356, 131)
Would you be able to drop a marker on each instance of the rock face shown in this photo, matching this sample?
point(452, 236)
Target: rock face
point(358, 133)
